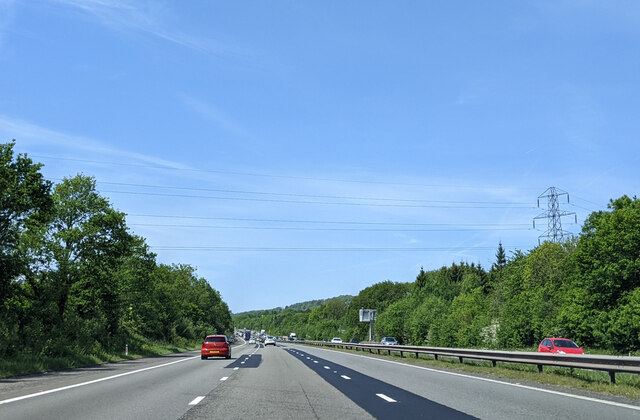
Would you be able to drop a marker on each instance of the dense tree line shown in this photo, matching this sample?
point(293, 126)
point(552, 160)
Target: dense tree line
point(586, 289)
point(73, 278)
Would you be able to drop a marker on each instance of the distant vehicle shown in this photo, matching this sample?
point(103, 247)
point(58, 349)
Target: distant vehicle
point(215, 345)
point(559, 346)
point(247, 334)
point(354, 341)
point(336, 340)
point(252, 341)
point(269, 341)
point(389, 341)
point(293, 336)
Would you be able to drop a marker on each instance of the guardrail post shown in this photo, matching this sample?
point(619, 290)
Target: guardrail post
point(417, 355)
point(612, 376)
point(539, 368)
point(435, 356)
point(401, 355)
point(460, 358)
point(493, 363)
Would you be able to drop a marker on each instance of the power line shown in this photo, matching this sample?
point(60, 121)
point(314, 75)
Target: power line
point(303, 249)
point(340, 222)
point(312, 202)
point(263, 175)
point(321, 229)
point(311, 195)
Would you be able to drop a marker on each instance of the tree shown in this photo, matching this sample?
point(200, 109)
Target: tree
point(532, 297)
point(83, 247)
point(421, 279)
point(378, 297)
point(605, 274)
point(25, 204)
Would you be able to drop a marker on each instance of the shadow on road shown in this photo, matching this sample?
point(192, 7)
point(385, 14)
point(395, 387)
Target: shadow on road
point(246, 361)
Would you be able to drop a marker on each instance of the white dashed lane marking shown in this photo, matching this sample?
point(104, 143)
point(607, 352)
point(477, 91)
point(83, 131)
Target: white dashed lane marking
point(196, 400)
point(387, 399)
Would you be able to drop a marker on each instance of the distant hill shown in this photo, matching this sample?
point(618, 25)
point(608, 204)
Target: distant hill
point(298, 307)
point(305, 306)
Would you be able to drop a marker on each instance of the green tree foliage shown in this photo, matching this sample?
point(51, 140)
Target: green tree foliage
point(74, 279)
point(325, 321)
point(25, 204)
point(424, 319)
point(303, 306)
point(378, 297)
point(393, 321)
point(86, 242)
point(188, 307)
point(532, 296)
point(605, 277)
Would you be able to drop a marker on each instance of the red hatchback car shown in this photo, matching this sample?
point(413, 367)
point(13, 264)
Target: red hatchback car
point(559, 346)
point(215, 345)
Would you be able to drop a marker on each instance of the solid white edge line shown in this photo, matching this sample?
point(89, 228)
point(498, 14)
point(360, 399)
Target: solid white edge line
point(548, 391)
point(64, 388)
point(196, 400)
point(224, 378)
point(387, 399)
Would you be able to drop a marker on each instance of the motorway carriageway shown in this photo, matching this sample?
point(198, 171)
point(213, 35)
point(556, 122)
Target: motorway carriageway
point(288, 381)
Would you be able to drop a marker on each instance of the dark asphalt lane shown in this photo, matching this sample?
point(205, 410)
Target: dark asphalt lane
point(380, 399)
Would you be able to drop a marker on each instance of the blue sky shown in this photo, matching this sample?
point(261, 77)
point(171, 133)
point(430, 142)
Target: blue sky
point(297, 150)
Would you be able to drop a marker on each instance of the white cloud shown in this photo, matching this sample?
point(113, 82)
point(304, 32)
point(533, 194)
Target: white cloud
point(215, 115)
point(28, 133)
point(145, 17)
point(6, 17)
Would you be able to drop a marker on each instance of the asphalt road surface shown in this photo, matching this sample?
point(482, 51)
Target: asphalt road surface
point(288, 382)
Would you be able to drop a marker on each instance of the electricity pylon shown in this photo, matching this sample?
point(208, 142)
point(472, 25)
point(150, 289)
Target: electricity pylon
point(554, 231)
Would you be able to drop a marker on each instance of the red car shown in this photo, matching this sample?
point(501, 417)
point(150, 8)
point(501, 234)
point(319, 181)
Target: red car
point(215, 345)
point(559, 346)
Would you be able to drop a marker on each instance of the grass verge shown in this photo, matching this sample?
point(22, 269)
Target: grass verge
point(28, 364)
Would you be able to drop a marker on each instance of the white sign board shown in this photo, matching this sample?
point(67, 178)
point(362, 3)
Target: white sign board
point(367, 315)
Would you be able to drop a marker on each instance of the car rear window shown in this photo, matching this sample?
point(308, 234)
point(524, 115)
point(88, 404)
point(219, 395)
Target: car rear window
point(215, 339)
point(565, 344)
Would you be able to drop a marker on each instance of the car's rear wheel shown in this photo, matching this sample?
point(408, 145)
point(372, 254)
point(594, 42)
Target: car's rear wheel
point(203, 357)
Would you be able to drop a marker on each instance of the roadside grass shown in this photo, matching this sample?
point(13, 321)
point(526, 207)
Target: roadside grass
point(627, 385)
point(25, 364)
